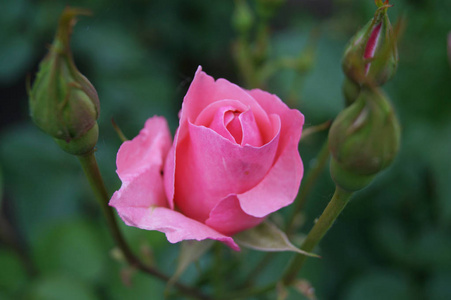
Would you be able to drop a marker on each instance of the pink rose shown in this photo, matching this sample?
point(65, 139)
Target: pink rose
point(234, 160)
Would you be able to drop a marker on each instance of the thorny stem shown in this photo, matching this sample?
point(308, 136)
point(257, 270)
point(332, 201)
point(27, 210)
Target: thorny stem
point(92, 172)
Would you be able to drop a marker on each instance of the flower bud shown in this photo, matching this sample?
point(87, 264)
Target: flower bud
point(363, 140)
point(63, 103)
point(372, 56)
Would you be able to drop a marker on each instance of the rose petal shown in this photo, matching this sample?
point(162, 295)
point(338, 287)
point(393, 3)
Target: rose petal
point(204, 90)
point(233, 126)
point(176, 226)
point(210, 167)
point(233, 121)
point(228, 218)
point(144, 190)
point(207, 115)
point(147, 149)
point(139, 165)
point(251, 134)
point(169, 175)
point(291, 119)
point(220, 121)
point(280, 186)
point(278, 189)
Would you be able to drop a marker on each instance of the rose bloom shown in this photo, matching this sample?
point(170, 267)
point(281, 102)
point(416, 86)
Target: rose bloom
point(233, 161)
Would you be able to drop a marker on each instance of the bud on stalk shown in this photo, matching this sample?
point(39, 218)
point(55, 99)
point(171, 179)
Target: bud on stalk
point(372, 56)
point(363, 140)
point(63, 103)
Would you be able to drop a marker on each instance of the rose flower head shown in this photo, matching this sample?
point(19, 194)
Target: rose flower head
point(233, 161)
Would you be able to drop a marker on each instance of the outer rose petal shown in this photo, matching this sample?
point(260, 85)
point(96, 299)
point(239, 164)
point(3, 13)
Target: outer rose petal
point(176, 226)
point(169, 175)
point(292, 119)
point(139, 164)
point(210, 167)
point(150, 147)
point(278, 189)
point(228, 217)
point(145, 190)
point(141, 200)
point(280, 186)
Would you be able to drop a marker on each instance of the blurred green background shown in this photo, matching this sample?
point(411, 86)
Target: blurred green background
point(393, 241)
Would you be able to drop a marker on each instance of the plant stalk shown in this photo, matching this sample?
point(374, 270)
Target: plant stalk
point(327, 218)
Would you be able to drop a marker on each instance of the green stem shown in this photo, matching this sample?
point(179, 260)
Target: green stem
point(92, 172)
point(307, 185)
point(119, 132)
point(328, 217)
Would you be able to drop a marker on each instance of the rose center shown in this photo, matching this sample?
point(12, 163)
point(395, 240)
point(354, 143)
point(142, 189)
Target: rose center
point(233, 125)
point(233, 121)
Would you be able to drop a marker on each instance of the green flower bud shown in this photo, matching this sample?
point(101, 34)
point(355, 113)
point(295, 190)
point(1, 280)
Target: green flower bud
point(363, 140)
point(63, 103)
point(372, 56)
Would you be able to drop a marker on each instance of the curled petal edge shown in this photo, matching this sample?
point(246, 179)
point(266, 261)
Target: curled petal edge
point(175, 225)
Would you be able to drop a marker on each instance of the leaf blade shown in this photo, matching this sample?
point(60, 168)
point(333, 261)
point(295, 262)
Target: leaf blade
point(267, 237)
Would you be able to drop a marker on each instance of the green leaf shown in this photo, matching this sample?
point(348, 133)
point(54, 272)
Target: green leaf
point(189, 252)
point(267, 237)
